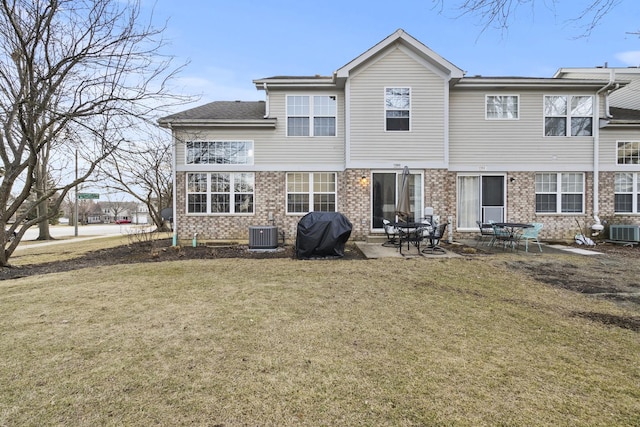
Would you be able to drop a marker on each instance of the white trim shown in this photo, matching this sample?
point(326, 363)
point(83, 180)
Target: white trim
point(635, 191)
point(310, 192)
point(625, 167)
point(559, 193)
point(398, 173)
point(447, 109)
point(405, 39)
point(347, 124)
point(518, 165)
point(384, 100)
point(568, 116)
point(394, 164)
point(213, 140)
point(479, 175)
point(271, 167)
point(311, 116)
point(208, 192)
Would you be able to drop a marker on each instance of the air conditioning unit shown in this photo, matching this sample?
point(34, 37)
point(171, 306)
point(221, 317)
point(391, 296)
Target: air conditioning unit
point(624, 233)
point(263, 237)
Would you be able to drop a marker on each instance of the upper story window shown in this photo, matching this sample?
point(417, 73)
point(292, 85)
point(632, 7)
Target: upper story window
point(568, 115)
point(308, 192)
point(220, 152)
point(397, 107)
point(628, 153)
point(560, 192)
point(627, 192)
point(311, 115)
point(502, 107)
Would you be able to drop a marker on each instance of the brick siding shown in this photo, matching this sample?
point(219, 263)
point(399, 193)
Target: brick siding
point(354, 201)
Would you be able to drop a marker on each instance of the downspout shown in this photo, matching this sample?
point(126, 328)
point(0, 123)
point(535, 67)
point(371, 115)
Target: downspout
point(174, 196)
point(266, 102)
point(606, 89)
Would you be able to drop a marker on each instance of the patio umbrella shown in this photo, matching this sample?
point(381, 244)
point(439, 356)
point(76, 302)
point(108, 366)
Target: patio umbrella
point(403, 209)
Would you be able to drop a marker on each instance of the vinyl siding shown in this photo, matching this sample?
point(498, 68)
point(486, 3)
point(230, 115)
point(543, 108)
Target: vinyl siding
point(273, 150)
point(477, 144)
point(608, 148)
point(369, 142)
point(626, 97)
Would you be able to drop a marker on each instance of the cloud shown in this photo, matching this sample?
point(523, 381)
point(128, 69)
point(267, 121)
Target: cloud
point(630, 58)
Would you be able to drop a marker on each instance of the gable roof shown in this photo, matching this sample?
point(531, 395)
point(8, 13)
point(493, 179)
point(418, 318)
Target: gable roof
point(402, 38)
point(221, 113)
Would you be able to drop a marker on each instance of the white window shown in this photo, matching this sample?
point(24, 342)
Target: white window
point(220, 152)
point(628, 153)
point(309, 192)
point(311, 115)
point(627, 192)
point(397, 107)
point(502, 107)
point(216, 193)
point(560, 192)
point(568, 115)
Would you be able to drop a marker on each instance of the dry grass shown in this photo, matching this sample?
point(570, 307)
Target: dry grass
point(38, 252)
point(284, 342)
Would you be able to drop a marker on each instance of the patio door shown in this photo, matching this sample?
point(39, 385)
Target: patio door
point(480, 198)
point(386, 187)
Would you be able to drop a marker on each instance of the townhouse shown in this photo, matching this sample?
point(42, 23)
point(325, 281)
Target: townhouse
point(554, 150)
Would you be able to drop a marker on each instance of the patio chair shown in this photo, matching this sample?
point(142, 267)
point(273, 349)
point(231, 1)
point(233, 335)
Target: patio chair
point(531, 234)
point(434, 235)
point(501, 235)
point(486, 232)
point(392, 234)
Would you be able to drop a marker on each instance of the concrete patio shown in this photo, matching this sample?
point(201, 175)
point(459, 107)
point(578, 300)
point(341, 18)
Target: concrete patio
point(373, 249)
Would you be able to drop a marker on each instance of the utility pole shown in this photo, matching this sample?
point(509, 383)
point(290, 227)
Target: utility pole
point(76, 205)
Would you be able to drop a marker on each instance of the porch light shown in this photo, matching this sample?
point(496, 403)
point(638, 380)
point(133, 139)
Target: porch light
point(364, 181)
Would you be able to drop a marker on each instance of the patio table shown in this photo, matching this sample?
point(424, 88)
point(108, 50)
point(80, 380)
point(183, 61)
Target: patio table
point(513, 232)
point(410, 232)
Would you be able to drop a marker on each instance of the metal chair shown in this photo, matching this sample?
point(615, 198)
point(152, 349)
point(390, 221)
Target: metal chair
point(486, 232)
point(500, 234)
point(531, 234)
point(434, 236)
point(392, 234)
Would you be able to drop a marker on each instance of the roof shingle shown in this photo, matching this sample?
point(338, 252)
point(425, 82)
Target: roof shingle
point(222, 110)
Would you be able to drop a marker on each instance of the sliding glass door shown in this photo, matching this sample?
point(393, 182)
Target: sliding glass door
point(480, 198)
point(386, 187)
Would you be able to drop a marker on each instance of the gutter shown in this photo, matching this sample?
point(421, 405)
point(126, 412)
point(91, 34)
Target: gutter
point(606, 90)
point(266, 104)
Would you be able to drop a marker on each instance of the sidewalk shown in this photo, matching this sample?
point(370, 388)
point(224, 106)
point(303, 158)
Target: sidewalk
point(33, 244)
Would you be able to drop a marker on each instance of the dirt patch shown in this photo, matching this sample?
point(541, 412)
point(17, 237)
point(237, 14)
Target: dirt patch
point(159, 251)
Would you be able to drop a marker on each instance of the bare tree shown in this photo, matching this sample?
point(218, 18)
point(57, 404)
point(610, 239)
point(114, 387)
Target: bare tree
point(80, 73)
point(143, 170)
point(500, 13)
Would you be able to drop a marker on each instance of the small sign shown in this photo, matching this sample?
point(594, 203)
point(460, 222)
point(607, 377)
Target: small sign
point(84, 196)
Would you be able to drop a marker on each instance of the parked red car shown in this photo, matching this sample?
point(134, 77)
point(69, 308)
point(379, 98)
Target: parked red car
point(123, 221)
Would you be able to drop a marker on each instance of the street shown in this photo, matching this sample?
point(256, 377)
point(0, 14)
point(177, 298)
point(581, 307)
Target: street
point(58, 231)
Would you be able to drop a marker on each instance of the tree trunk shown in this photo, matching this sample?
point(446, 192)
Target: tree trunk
point(41, 212)
point(43, 229)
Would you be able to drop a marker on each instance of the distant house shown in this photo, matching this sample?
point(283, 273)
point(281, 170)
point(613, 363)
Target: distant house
point(551, 150)
point(106, 212)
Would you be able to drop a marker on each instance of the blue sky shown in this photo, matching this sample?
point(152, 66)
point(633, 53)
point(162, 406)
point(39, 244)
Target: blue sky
point(231, 43)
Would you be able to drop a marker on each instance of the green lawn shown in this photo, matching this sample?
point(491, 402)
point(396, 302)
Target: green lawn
point(388, 342)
